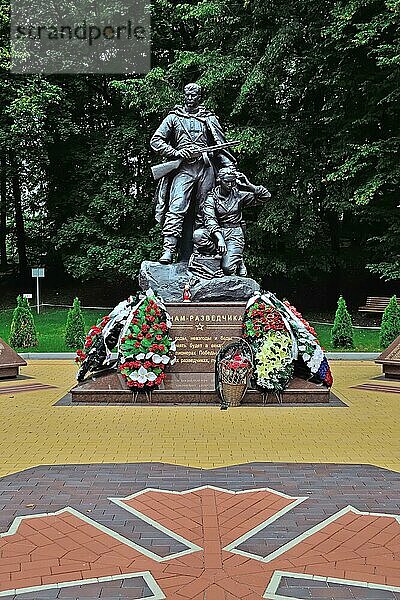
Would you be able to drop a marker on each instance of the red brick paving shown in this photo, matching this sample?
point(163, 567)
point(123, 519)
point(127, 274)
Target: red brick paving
point(55, 549)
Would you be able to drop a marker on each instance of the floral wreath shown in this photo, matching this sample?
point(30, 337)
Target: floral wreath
point(309, 347)
point(265, 330)
point(146, 347)
point(286, 336)
point(94, 332)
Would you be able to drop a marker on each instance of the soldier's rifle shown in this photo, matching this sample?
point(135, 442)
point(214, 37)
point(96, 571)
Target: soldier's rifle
point(163, 169)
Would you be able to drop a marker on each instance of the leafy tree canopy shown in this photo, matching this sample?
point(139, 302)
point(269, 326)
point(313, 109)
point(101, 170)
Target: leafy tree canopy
point(309, 87)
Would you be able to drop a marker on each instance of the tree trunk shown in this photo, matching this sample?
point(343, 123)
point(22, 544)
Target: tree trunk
point(19, 218)
point(336, 270)
point(3, 213)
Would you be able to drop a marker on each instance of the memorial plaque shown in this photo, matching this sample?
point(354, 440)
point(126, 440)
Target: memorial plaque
point(201, 329)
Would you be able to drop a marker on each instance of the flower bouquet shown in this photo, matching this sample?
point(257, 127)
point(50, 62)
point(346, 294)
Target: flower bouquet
point(233, 370)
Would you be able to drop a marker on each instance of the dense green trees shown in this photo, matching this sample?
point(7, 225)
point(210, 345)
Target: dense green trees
point(309, 87)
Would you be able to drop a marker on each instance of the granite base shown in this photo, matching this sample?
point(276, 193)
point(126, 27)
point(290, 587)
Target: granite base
point(189, 388)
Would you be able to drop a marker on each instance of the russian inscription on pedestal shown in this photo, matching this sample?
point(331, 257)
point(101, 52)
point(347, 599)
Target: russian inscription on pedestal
point(200, 330)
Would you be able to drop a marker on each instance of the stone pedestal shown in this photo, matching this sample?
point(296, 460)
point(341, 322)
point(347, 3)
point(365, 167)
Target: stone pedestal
point(390, 360)
point(200, 330)
point(10, 361)
point(168, 281)
point(190, 388)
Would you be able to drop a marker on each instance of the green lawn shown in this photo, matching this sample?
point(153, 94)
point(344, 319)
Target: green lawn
point(365, 340)
point(50, 324)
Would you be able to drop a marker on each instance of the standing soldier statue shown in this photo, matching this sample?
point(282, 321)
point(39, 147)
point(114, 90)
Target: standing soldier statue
point(191, 139)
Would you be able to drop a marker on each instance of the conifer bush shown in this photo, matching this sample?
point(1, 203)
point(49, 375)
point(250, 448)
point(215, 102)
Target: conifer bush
point(23, 332)
point(342, 330)
point(75, 327)
point(390, 326)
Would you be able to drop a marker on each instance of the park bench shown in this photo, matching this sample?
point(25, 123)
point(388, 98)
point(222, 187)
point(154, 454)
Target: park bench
point(376, 304)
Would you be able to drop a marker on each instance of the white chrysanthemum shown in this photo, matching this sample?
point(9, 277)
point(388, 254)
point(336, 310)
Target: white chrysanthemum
point(165, 359)
point(173, 346)
point(140, 356)
point(149, 355)
point(134, 376)
point(156, 359)
point(139, 376)
point(142, 375)
point(151, 376)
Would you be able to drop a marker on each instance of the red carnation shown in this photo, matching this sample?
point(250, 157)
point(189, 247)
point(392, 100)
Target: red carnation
point(137, 344)
point(159, 338)
point(149, 336)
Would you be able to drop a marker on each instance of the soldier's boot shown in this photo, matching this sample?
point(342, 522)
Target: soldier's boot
point(242, 269)
point(169, 250)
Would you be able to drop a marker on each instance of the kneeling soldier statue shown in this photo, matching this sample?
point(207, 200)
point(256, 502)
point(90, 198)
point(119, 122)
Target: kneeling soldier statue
point(222, 235)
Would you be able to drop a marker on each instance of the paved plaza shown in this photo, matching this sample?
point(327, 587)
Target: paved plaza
point(278, 502)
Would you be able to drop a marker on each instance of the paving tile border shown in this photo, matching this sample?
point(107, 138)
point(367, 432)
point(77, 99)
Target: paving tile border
point(71, 355)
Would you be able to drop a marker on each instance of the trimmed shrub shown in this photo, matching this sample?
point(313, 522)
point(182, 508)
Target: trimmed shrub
point(390, 326)
point(75, 327)
point(23, 332)
point(342, 330)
